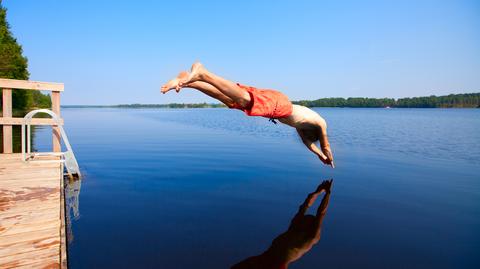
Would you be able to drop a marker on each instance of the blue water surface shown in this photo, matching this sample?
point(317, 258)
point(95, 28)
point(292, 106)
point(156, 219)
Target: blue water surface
point(208, 188)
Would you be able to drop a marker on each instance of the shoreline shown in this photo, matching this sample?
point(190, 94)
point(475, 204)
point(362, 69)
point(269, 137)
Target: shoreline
point(464, 100)
point(222, 106)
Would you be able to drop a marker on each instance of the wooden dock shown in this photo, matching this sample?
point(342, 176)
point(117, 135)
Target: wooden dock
point(32, 209)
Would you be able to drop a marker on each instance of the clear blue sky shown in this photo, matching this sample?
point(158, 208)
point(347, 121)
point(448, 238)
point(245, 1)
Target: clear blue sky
point(111, 52)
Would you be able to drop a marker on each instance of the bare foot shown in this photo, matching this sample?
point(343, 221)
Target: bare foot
point(195, 74)
point(174, 83)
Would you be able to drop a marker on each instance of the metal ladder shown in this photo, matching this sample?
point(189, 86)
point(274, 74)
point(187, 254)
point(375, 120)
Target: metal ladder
point(67, 157)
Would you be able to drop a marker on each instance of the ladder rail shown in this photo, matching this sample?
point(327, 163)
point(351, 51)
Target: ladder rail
point(68, 157)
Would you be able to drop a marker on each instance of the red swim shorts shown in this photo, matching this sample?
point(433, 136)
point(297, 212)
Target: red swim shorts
point(266, 103)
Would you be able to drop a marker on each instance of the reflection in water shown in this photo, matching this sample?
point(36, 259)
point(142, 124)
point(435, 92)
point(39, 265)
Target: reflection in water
point(72, 194)
point(302, 234)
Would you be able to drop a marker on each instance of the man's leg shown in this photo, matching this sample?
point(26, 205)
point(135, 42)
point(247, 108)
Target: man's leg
point(211, 91)
point(228, 88)
point(204, 87)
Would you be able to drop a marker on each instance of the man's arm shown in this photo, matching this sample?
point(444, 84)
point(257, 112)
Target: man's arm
point(304, 207)
point(311, 197)
point(312, 147)
point(324, 144)
point(322, 208)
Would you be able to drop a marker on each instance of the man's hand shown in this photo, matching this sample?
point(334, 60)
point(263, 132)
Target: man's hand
point(326, 185)
point(326, 157)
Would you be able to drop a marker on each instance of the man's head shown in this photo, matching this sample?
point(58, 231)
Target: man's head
point(311, 134)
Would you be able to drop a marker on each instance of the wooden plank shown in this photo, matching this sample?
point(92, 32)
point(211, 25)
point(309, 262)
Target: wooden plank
point(30, 211)
point(10, 179)
point(63, 227)
point(14, 159)
point(44, 262)
point(40, 264)
point(21, 222)
point(42, 161)
point(28, 208)
point(19, 259)
point(57, 146)
point(31, 168)
point(31, 217)
point(30, 236)
point(29, 172)
point(37, 259)
point(18, 184)
point(34, 121)
point(7, 113)
point(31, 85)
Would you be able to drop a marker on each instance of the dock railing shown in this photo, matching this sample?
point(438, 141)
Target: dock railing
point(7, 120)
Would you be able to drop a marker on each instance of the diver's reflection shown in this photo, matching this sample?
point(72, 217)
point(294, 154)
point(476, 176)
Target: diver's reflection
point(302, 234)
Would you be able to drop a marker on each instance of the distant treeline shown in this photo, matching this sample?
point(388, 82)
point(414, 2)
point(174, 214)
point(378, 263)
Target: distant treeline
point(468, 100)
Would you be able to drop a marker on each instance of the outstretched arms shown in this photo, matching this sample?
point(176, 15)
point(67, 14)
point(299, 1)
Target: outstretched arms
point(308, 140)
point(322, 209)
point(310, 144)
point(311, 197)
point(325, 145)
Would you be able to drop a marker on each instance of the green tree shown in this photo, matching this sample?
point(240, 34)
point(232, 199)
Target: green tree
point(13, 65)
point(471, 100)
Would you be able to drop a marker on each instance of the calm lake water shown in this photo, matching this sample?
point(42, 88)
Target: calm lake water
point(208, 188)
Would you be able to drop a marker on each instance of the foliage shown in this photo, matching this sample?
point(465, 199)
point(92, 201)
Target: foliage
point(471, 100)
point(13, 65)
point(451, 100)
point(468, 100)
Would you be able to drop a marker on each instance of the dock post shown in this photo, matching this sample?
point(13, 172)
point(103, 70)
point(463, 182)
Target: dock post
point(7, 113)
point(57, 146)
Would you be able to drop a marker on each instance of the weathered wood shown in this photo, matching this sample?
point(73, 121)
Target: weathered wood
point(34, 121)
point(63, 233)
point(31, 214)
point(7, 113)
point(32, 205)
point(31, 85)
point(57, 146)
point(44, 257)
